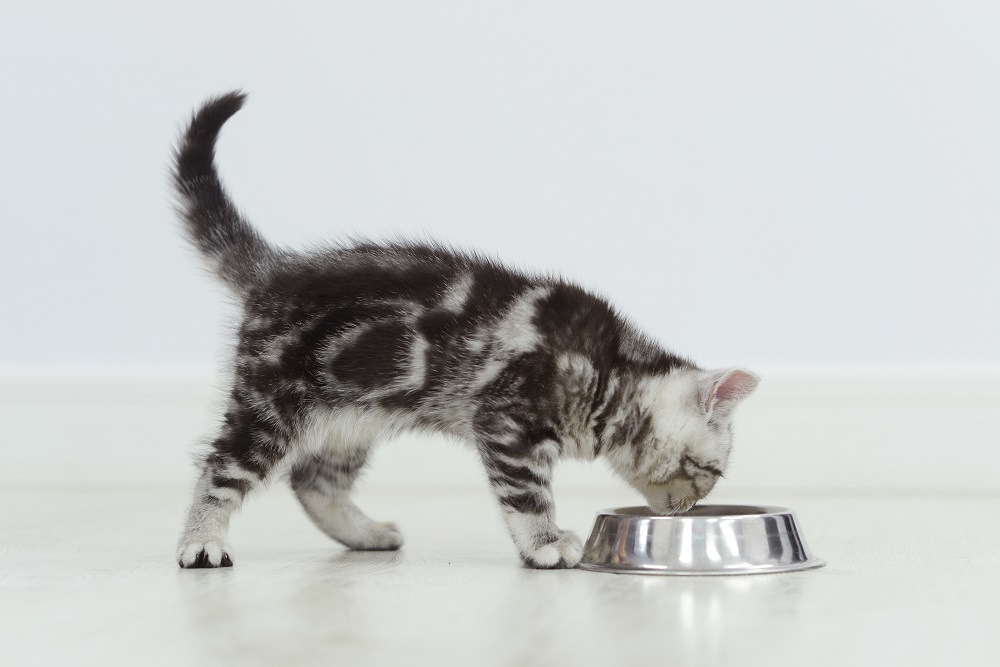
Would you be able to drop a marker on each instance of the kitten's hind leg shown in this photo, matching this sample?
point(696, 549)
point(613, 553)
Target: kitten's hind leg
point(219, 492)
point(323, 485)
point(245, 453)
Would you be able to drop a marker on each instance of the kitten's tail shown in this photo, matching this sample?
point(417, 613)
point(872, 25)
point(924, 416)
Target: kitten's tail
point(238, 253)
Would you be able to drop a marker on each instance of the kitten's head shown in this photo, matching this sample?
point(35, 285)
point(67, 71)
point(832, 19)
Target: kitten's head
point(680, 435)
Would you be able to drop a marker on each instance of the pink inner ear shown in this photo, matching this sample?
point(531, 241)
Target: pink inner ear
point(735, 386)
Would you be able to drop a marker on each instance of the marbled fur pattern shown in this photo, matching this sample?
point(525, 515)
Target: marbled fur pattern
point(346, 345)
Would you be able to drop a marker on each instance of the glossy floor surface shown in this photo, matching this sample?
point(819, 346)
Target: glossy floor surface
point(88, 578)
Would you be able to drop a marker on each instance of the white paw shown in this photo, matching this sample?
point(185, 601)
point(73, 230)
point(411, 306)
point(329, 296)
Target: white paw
point(565, 552)
point(379, 536)
point(204, 554)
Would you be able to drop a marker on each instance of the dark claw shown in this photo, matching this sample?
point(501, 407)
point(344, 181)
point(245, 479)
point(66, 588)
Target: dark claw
point(201, 561)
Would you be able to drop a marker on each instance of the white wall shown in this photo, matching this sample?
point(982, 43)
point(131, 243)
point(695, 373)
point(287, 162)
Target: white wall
point(777, 184)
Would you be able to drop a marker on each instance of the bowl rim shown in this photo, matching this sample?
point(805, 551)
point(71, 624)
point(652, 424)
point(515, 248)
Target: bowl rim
point(808, 564)
point(636, 512)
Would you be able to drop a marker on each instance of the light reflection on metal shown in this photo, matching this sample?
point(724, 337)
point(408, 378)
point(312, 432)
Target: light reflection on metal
point(707, 540)
point(712, 538)
point(686, 556)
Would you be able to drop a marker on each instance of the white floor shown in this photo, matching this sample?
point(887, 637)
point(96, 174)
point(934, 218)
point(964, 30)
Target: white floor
point(94, 476)
point(88, 578)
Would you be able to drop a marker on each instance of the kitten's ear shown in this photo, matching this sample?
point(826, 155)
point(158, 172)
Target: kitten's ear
point(722, 390)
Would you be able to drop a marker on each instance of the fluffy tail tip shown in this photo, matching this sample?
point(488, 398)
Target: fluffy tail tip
point(217, 110)
point(194, 156)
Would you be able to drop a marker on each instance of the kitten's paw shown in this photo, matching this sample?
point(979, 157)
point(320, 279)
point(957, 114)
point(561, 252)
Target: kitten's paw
point(564, 552)
point(204, 554)
point(379, 536)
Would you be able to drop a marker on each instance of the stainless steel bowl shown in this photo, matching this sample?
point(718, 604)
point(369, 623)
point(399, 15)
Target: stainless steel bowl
point(706, 540)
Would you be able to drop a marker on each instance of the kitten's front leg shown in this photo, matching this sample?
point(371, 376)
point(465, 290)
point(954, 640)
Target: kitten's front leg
point(522, 484)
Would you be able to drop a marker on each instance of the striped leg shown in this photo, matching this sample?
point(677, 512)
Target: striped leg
point(522, 484)
point(323, 485)
point(245, 453)
point(218, 494)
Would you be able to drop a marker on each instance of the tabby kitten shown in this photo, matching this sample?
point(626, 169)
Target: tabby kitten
point(349, 344)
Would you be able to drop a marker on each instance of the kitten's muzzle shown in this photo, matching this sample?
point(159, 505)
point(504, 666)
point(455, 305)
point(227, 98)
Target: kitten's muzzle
point(679, 493)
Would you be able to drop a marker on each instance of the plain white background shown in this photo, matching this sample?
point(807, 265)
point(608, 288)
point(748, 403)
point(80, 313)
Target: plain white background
point(783, 185)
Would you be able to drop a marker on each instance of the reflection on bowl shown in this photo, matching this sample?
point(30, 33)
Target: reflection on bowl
point(707, 540)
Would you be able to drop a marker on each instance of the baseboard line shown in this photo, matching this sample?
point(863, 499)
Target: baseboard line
point(869, 432)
